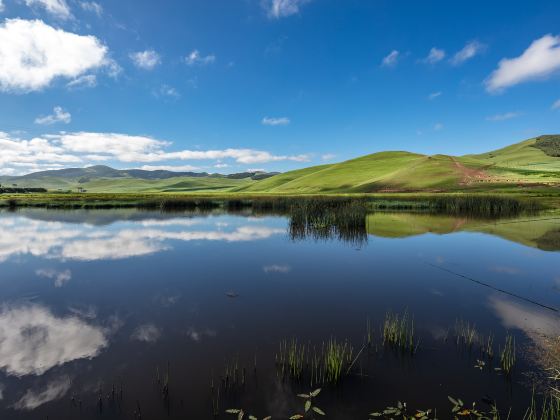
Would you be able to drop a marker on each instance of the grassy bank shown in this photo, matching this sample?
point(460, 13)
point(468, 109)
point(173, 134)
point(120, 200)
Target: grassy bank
point(467, 204)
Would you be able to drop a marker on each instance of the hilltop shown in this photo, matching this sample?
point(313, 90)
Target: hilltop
point(530, 163)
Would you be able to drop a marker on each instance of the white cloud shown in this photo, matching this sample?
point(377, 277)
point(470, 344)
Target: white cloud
point(57, 8)
point(146, 60)
point(255, 170)
point(391, 59)
point(540, 60)
point(435, 55)
point(34, 340)
point(91, 6)
point(2, 7)
point(283, 8)
point(54, 390)
point(194, 58)
point(434, 95)
point(221, 165)
point(59, 277)
point(182, 168)
point(166, 90)
point(556, 105)
point(469, 51)
point(503, 117)
point(82, 82)
point(275, 121)
point(438, 127)
point(58, 115)
point(33, 54)
point(328, 156)
point(85, 148)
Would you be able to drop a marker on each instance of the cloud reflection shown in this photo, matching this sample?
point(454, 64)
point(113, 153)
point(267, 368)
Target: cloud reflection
point(55, 240)
point(33, 340)
point(54, 390)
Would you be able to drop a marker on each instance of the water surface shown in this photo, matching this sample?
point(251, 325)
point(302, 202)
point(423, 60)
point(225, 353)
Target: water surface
point(110, 303)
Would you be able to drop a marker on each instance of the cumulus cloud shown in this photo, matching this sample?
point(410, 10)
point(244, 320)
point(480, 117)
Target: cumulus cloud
point(54, 390)
point(59, 115)
point(194, 58)
point(34, 340)
point(91, 6)
point(59, 277)
point(469, 51)
point(503, 117)
point(34, 54)
point(181, 168)
point(282, 8)
point(391, 60)
point(435, 55)
point(57, 8)
point(540, 60)
point(2, 7)
point(71, 148)
point(146, 60)
point(275, 121)
point(434, 95)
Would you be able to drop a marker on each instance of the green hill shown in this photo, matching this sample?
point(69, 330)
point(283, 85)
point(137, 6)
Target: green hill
point(531, 163)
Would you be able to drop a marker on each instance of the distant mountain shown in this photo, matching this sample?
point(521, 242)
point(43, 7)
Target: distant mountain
point(101, 178)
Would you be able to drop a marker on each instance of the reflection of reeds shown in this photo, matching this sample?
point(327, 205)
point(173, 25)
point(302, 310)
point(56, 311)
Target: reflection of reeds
point(398, 331)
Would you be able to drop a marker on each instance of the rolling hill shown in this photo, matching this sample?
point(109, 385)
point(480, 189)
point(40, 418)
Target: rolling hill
point(530, 163)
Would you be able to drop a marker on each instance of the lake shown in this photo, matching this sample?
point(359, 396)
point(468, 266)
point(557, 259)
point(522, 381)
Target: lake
point(143, 314)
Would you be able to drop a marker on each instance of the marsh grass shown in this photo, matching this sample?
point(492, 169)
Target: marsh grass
point(465, 333)
point(337, 356)
point(398, 332)
point(507, 355)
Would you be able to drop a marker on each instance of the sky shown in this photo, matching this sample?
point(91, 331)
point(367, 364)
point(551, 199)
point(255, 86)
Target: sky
point(234, 85)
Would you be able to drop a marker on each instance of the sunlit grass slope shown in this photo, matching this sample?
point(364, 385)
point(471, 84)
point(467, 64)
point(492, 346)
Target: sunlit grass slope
point(383, 171)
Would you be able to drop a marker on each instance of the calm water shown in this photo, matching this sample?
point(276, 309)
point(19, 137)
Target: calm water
point(92, 300)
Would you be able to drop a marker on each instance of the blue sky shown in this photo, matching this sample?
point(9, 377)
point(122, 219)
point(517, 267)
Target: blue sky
point(231, 85)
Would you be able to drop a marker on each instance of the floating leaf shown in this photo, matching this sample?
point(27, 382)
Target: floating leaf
point(307, 405)
point(318, 411)
point(296, 417)
point(233, 411)
point(315, 393)
point(303, 395)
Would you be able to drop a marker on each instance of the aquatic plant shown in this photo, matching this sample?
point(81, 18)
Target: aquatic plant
point(465, 333)
point(400, 411)
point(309, 406)
point(398, 331)
point(240, 414)
point(291, 358)
point(336, 356)
point(507, 355)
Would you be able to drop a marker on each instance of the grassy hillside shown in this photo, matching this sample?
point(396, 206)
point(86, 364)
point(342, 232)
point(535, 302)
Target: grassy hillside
point(533, 163)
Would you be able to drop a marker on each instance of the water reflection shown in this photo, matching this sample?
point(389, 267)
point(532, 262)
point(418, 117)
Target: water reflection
point(34, 340)
point(53, 390)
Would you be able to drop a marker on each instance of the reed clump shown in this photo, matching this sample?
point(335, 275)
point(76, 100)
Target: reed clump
point(398, 331)
point(507, 355)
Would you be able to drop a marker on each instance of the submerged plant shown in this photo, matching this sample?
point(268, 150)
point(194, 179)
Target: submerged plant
point(398, 331)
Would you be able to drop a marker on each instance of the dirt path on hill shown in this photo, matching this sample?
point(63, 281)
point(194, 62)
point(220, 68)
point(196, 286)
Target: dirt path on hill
point(470, 175)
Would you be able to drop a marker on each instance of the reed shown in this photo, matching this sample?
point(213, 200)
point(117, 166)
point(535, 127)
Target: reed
point(337, 355)
point(507, 355)
point(398, 331)
point(465, 333)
